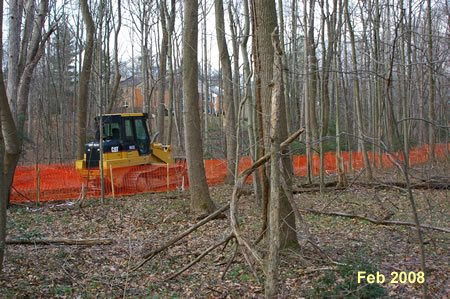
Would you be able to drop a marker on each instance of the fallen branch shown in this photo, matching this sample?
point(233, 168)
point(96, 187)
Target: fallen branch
point(230, 261)
point(211, 248)
point(89, 242)
point(332, 186)
point(172, 241)
point(422, 185)
point(375, 221)
point(316, 189)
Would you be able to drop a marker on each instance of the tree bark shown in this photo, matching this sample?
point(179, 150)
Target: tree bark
point(431, 91)
point(230, 119)
point(3, 196)
point(273, 258)
point(83, 89)
point(307, 100)
point(115, 85)
point(171, 70)
point(200, 199)
point(34, 54)
point(266, 22)
point(9, 149)
point(161, 114)
point(15, 23)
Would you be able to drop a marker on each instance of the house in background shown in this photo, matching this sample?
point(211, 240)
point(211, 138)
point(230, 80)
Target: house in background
point(129, 95)
point(131, 98)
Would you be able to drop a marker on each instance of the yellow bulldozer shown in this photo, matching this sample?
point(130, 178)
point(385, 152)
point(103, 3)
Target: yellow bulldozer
point(138, 163)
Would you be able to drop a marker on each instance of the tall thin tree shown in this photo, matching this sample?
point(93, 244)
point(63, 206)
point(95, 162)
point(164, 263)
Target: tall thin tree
point(83, 89)
point(200, 198)
point(227, 78)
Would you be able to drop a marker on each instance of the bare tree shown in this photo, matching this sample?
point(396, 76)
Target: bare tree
point(273, 258)
point(170, 57)
point(431, 91)
point(200, 199)
point(161, 110)
point(227, 77)
point(83, 89)
point(251, 107)
point(115, 84)
point(265, 21)
point(26, 55)
point(9, 149)
point(357, 94)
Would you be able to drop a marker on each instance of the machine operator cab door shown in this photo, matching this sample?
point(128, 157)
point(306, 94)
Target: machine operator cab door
point(125, 132)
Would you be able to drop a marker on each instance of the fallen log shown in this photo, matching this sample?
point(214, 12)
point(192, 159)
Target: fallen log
point(422, 185)
point(332, 186)
point(376, 221)
point(312, 190)
point(60, 241)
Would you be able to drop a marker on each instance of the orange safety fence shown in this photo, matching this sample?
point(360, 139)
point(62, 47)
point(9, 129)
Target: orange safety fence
point(43, 182)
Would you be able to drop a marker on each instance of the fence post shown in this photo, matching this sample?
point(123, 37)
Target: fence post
point(38, 184)
point(112, 181)
point(167, 177)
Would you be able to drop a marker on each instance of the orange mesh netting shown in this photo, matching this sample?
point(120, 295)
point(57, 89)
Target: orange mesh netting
point(44, 182)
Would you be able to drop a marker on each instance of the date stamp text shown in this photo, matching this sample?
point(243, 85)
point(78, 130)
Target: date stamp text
point(396, 277)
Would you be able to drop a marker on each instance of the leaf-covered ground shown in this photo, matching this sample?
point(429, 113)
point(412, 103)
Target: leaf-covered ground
point(140, 223)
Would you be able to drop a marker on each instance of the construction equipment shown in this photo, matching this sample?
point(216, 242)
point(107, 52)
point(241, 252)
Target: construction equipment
point(138, 163)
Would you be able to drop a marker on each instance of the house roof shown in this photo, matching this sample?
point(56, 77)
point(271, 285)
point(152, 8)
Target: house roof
point(130, 81)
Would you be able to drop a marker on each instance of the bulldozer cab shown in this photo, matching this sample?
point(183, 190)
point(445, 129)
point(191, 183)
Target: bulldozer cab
point(124, 132)
point(126, 147)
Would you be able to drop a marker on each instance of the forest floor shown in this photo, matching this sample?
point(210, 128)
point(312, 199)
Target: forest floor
point(137, 224)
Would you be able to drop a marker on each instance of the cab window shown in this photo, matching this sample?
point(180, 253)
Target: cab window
point(129, 136)
point(110, 131)
point(141, 132)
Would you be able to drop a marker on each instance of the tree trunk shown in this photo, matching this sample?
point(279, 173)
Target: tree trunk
point(83, 89)
point(342, 180)
point(266, 21)
point(252, 126)
point(230, 120)
point(357, 96)
point(313, 75)
point(117, 76)
point(431, 115)
point(3, 198)
point(307, 100)
point(9, 149)
point(171, 70)
point(15, 23)
point(273, 257)
point(235, 47)
point(200, 199)
point(161, 114)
